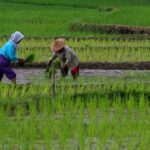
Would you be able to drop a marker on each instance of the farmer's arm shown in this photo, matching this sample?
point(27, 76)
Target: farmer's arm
point(54, 56)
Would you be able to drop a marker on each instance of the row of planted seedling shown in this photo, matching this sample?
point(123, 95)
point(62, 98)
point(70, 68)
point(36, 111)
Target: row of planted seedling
point(89, 42)
point(85, 44)
point(73, 90)
point(96, 122)
point(90, 50)
point(90, 55)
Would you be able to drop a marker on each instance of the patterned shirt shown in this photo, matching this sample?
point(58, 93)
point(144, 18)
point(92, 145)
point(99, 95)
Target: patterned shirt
point(67, 57)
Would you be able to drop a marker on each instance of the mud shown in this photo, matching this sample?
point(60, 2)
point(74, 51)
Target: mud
point(116, 66)
point(98, 65)
point(36, 75)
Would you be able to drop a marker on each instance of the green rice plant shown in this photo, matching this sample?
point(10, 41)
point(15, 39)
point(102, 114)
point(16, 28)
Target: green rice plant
point(56, 65)
point(117, 115)
point(107, 50)
point(29, 58)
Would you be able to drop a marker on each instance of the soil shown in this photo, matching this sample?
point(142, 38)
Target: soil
point(98, 65)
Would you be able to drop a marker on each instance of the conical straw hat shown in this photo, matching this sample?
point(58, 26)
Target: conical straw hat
point(58, 44)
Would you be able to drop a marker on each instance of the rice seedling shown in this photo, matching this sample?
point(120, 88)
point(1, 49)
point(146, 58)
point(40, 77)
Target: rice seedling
point(29, 58)
point(93, 112)
point(100, 121)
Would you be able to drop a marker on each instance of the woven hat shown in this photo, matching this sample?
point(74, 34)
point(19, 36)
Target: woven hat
point(58, 44)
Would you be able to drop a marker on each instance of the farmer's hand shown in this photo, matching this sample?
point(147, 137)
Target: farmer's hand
point(48, 65)
point(49, 62)
point(21, 62)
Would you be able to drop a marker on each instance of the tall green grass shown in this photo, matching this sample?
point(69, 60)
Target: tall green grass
point(83, 3)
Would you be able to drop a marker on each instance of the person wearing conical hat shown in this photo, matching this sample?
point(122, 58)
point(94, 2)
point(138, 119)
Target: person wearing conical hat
point(68, 59)
point(8, 54)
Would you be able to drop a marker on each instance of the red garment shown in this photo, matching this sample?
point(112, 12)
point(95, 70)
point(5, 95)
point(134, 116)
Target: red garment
point(75, 71)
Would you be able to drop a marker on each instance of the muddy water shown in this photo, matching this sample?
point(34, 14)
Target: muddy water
point(30, 75)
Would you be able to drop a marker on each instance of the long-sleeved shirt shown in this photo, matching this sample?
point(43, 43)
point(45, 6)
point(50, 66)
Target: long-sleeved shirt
point(67, 57)
point(9, 51)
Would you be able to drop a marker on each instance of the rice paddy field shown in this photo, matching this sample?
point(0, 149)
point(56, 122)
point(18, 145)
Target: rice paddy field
point(90, 50)
point(101, 109)
point(53, 18)
point(93, 116)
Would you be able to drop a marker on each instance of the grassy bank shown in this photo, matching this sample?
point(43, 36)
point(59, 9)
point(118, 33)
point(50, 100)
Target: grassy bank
point(49, 18)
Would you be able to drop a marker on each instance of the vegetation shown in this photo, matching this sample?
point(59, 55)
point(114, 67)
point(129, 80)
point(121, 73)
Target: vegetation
point(103, 50)
point(53, 18)
point(91, 113)
point(100, 120)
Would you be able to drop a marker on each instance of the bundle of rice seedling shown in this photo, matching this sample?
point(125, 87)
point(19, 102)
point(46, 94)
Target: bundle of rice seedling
point(56, 65)
point(29, 58)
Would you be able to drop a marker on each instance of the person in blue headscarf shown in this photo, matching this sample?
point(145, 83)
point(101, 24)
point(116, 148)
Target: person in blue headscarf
point(8, 55)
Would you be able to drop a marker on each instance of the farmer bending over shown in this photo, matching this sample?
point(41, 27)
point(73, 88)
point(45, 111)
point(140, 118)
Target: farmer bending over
point(68, 58)
point(8, 54)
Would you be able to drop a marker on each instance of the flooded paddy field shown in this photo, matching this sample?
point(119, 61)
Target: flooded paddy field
point(36, 75)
